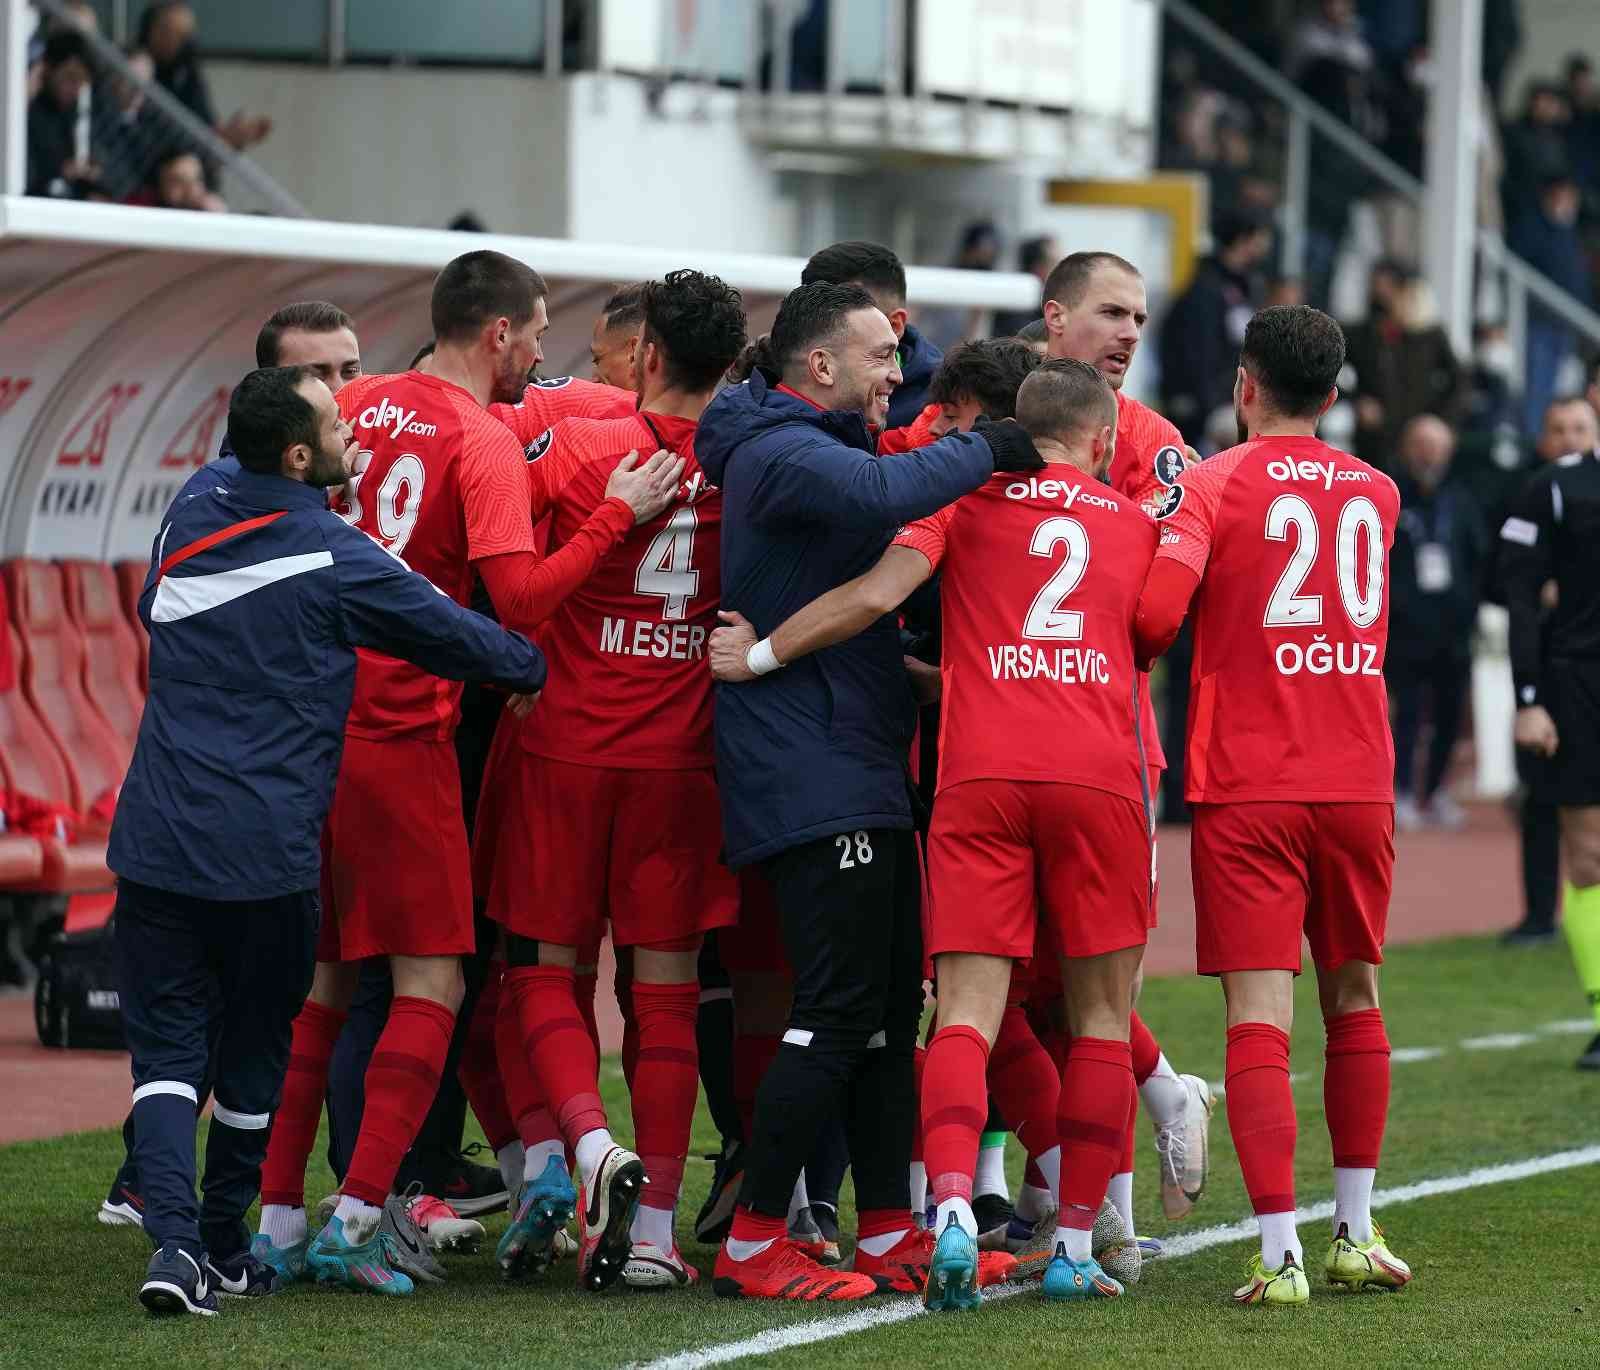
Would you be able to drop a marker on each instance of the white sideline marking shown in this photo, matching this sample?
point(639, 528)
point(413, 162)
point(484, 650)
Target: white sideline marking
point(1494, 1041)
point(1498, 1041)
point(1189, 1244)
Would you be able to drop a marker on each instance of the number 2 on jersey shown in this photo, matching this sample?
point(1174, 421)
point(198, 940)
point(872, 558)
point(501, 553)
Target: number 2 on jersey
point(1046, 618)
point(664, 570)
point(1358, 524)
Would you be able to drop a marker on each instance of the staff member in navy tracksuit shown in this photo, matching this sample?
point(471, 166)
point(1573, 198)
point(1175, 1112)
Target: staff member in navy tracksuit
point(255, 604)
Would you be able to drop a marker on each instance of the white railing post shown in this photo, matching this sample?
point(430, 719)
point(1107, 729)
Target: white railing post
point(1450, 205)
point(15, 26)
point(1296, 194)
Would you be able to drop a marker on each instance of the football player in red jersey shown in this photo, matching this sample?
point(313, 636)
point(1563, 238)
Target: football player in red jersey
point(1095, 311)
point(442, 485)
point(1023, 823)
point(1281, 546)
point(611, 810)
point(616, 333)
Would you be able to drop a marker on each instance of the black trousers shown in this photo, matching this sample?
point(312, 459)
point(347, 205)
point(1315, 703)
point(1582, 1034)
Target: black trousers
point(850, 909)
point(184, 965)
point(1437, 685)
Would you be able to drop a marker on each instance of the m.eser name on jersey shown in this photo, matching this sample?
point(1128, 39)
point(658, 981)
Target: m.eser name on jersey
point(648, 637)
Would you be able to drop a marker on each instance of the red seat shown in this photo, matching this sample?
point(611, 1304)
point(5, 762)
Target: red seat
point(111, 673)
point(130, 583)
point(31, 764)
point(95, 757)
point(21, 861)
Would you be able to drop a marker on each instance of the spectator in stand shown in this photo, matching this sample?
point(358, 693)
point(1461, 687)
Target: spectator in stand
point(166, 53)
point(1435, 573)
point(1545, 233)
point(1403, 363)
point(1502, 36)
point(180, 183)
point(1535, 147)
point(1330, 60)
point(1583, 127)
point(1036, 256)
point(1570, 425)
point(1204, 329)
point(979, 250)
point(57, 166)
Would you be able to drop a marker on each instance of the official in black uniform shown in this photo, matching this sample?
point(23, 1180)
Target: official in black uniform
point(1552, 533)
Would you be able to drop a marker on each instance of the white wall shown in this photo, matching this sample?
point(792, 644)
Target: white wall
point(1551, 30)
point(410, 147)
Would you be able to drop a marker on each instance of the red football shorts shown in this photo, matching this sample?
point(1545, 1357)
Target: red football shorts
point(1152, 792)
point(1263, 873)
point(395, 874)
point(755, 945)
point(505, 754)
point(1005, 855)
point(580, 844)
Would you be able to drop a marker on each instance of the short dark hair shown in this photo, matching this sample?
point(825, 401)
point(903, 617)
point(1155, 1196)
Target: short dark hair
point(809, 315)
point(1036, 332)
point(479, 286)
point(267, 414)
point(1063, 397)
point(1068, 281)
point(871, 265)
point(1234, 224)
point(306, 316)
point(422, 354)
point(698, 320)
point(625, 308)
point(66, 45)
point(1295, 354)
point(1031, 251)
point(989, 372)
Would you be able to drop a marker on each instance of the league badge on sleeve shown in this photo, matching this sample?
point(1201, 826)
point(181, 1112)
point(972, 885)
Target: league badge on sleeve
point(553, 382)
point(539, 446)
point(1171, 501)
point(1169, 465)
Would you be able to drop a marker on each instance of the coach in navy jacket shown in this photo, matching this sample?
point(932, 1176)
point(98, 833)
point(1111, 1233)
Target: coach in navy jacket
point(256, 601)
point(811, 759)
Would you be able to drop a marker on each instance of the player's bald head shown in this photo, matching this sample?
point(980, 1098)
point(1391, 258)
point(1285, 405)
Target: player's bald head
point(1062, 400)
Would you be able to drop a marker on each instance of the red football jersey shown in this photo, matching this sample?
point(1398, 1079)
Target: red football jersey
point(628, 680)
point(440, 484)
point(1042, 574)
point(552, 398)
point(1291, 540)
point(1150, 455)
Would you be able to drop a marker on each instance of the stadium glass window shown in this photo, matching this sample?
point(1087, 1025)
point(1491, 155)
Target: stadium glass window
point(426, 31)
point(285, 28)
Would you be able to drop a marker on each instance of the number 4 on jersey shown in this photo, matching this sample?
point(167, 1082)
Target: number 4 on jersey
point(665, 569)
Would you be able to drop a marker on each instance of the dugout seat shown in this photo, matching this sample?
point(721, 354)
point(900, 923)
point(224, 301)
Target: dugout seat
point(130, 582)
point(52, 670)
point(31, 764)
point(111, 673)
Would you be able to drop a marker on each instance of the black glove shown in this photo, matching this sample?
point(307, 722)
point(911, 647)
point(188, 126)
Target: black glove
point(1013, 449)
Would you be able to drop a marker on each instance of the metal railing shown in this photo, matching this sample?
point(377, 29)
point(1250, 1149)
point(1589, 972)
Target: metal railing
point(1522, 282)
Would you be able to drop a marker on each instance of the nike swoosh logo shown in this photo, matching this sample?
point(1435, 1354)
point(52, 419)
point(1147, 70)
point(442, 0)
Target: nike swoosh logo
point(405, 1239)
point(227, 1286)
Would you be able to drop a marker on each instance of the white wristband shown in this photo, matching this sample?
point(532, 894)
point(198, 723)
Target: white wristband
point(761, 659)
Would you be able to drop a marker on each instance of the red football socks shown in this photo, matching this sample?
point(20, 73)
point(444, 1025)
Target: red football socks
point(955, 1106)
point(753, 1052)
point(565, 1060)
point(523, 1096)
point(665, 1083)
point(1261, 1113)
point(294, 1125)
point(402, 1079)
point(1091, 1120)
point(1146, 1050)
point(1355, 1087)
point(1024, 1083)
point(479, 1070)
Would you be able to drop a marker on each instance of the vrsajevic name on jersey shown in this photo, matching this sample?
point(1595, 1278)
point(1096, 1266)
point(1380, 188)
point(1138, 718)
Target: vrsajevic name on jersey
point(1064, 665)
